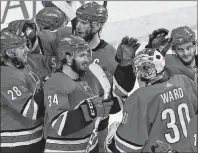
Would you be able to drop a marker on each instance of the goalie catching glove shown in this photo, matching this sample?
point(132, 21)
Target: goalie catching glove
point(126, 51)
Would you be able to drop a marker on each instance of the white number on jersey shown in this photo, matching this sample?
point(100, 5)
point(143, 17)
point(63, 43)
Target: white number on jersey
point(195, 142)
point(53, 99)
point(182, 111)
point(15, 92)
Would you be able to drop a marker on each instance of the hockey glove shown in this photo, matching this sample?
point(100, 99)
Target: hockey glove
point(126, 51)
point(162, 147)
point(95, 107)
point(103, 107)
point(159, 41)
point(157, 38)
point(23, 28)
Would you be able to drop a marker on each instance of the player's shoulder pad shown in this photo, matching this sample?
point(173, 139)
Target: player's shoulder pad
point(62, 82)
point(184, 80)
point(47, 36)
point(105, 46)
point(12, 75)
point(62, 32)
point(144, 95)
point(172, 59)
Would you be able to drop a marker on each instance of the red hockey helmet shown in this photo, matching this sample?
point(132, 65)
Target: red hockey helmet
point(9, 40)
point(182, 35)
point(50, 18)
point(71, 45)
point(92, 12)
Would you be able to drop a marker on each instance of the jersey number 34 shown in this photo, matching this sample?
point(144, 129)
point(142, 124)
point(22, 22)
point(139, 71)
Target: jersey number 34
point(182, 111)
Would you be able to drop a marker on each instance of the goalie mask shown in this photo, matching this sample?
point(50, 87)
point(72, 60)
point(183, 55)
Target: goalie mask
point(148, 64)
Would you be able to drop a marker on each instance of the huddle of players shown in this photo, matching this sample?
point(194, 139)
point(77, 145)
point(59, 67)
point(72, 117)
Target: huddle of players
point(70, 80)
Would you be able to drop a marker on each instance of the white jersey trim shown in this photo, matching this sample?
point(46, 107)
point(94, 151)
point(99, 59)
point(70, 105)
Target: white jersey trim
point(76, 151)
point(15, 144)
point(126, 144)
point(67, 141)
point(22, 132)
point(34, 116)
point(119, 87)
point(26, 108)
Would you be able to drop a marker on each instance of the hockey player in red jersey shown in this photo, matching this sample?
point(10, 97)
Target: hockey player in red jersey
point(22, 106)
point(41, 30)
point(183, 45)
point(192, 133)
point(71, 106)
point(161, 110)
point(89, 25)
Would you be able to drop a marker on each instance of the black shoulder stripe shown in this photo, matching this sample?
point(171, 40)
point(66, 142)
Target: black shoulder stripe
point(131, 143)
point(101, 45)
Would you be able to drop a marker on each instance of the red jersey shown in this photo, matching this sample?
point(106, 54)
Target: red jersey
point(192, 133)
point(175, 66)
point(64, 120)
point(20, 125)
point(158, 112)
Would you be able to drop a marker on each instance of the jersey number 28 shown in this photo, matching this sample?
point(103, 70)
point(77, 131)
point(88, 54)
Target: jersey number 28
point(14, 92)
point(182, 111)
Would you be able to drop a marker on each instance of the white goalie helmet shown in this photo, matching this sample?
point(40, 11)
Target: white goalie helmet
point(148, 64)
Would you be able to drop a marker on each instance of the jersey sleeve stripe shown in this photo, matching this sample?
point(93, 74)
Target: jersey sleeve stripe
point(125, 146)
point(59, 123)
point(30, 109)
point(115, 84)
point(26, 108)
point(34, 117)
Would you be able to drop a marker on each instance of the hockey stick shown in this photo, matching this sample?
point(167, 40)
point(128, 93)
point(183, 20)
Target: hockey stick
point(102, 78)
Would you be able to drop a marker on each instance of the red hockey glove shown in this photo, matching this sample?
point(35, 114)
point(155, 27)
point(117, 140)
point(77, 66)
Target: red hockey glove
point(162, 147)
point(126, 51)
point(95, 107)
point(159, 41)
point(103, 107)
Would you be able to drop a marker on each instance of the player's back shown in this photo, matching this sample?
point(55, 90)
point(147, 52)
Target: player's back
point(169, 110)
point(162, 112)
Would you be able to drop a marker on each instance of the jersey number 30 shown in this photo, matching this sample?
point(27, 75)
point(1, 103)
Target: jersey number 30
point(182, 111)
